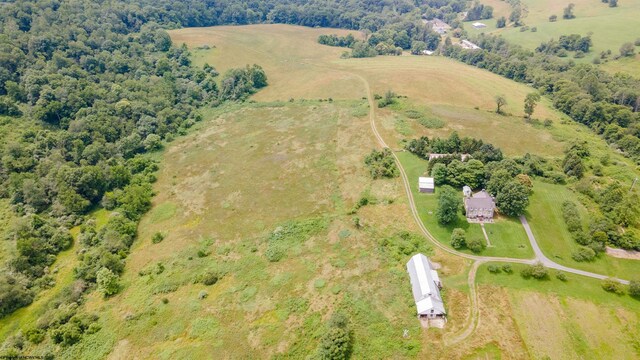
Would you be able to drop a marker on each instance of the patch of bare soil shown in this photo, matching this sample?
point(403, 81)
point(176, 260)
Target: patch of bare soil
point(623, 254)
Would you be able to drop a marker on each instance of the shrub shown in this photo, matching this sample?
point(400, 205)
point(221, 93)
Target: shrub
point(203, 253)
point(35, 335)
point(274, 253)
point(107, 282)
point(494, 269)
point(561, 276)
point(507, 268)
point(458, 238)
point(389, 98)
point(336, 343)
point(165, 300)
point(210, 278)
point(157, 237)
point(536, 271)
point(613, 286)
point(583, 254)
point(475, 245)
point(381, 164)
point(634, 288)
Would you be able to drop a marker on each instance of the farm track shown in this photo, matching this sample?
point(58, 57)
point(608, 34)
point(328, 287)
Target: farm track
point(474, 318)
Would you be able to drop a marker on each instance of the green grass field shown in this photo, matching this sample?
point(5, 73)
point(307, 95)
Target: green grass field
point(250, 169)
point(545, 217)
point(627, 65)
point(610, 27)
point(572, 319)
point(221, 191)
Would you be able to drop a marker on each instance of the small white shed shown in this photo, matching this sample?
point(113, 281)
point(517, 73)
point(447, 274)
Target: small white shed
point(426, 184)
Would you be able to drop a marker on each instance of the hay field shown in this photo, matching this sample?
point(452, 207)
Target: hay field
point(246, 171)
point(299, 67)
point(574, 319)
point(611, 27)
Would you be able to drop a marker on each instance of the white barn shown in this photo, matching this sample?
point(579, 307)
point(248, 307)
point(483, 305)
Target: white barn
point(426, 288)
point(426, 184)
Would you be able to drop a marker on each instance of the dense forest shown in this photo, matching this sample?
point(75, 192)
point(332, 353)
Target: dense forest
point(92, 88)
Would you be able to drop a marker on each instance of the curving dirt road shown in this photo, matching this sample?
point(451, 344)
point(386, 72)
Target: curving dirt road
point(474, 319)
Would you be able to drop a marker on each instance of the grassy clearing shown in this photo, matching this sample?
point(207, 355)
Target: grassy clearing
point(296, 65)
point(446, 90)
point(62, 269)
point(481, 124)
point(585, 321)
point(506, 235)
point(248, 172)
point(545, 217)
point(627, 65)
point(610, 26)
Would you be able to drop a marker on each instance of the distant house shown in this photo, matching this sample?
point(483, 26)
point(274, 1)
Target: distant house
point(479, 207)
point(479, 25)
point(463, 157)
point(426, 185)
point(426, 286)
point(466, 44)
point(439, 26)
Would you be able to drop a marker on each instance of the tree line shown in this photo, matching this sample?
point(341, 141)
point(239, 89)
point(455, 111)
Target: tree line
point(95, 87)
point(608, 104)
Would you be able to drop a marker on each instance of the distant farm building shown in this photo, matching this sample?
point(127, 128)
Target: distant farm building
point(466, 44)
point(463, 157)
point(426, 286)
point(479, 207)
point(426, 184)
point(427, 52)
point(479, 25)
point(439, 26)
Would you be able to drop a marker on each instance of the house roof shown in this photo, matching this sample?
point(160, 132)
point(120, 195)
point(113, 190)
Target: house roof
point(424, 285)
point(426, 183)
point(480, 200)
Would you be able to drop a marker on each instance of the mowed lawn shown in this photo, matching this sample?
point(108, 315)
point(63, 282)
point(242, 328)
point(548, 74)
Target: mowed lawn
point(507, 236)
point(574, 319)
point(610, 27)
point(243, 173)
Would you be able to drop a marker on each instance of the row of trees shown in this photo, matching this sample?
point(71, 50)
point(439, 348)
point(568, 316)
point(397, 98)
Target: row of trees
point(573, 42)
